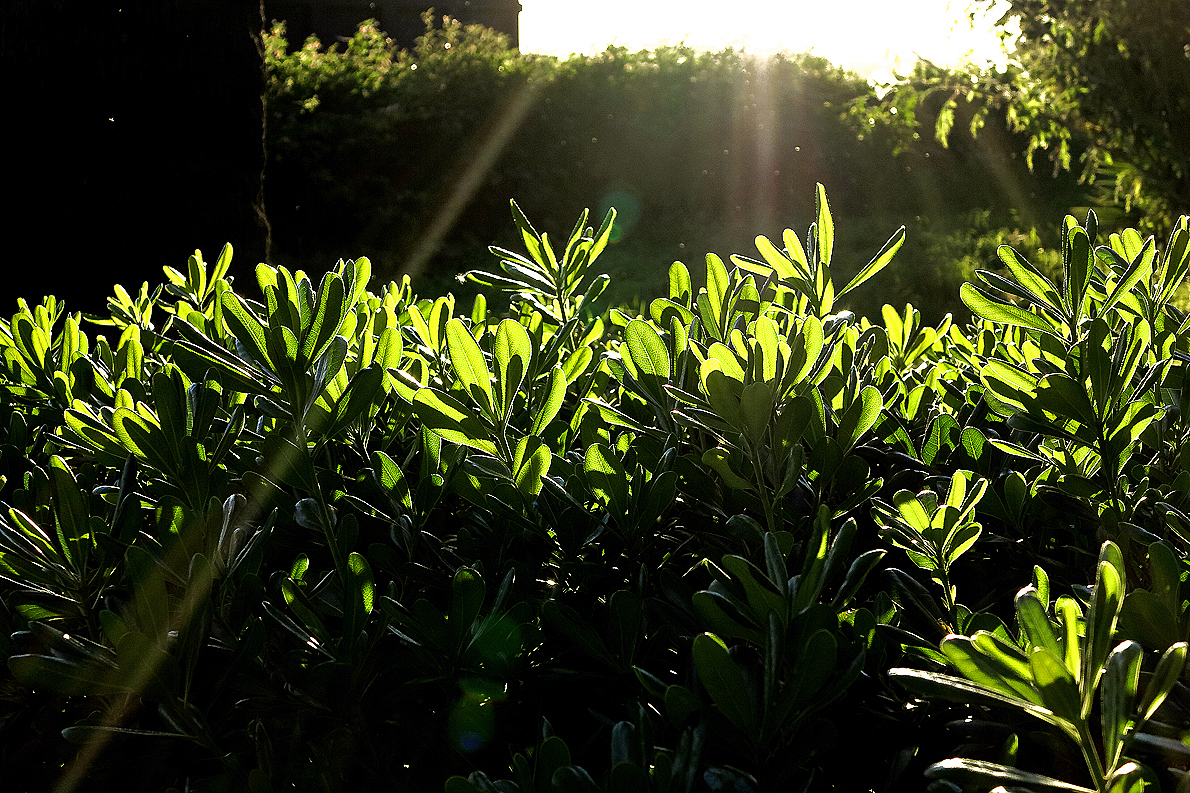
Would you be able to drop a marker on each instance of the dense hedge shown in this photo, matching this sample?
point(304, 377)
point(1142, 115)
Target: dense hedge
point(384, 152)
point(345, 539)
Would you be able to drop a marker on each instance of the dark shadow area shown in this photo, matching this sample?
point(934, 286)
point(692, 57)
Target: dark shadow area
point(135, 137)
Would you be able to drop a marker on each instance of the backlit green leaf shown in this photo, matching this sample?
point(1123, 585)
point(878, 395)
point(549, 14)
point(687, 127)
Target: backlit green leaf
point(878, 263)
point(469, 365)
point(1121, 677)
point(446, 417)
point(555, 395)
point(984, 305)
point(985, 775)
point(647, 349)
point(511, 351)
point(607, 477)
point(531, 462)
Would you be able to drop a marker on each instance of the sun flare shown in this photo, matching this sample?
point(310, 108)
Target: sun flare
point(872, 37)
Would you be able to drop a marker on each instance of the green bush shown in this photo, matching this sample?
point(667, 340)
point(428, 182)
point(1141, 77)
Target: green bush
point(343, 539)
point(403, 155)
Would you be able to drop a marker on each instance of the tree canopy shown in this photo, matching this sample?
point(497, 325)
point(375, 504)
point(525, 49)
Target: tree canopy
point(1102, 86)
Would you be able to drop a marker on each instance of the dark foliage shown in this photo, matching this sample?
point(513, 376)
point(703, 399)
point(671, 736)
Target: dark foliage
point(136, 133)
point(349, 540)
point(403, 156)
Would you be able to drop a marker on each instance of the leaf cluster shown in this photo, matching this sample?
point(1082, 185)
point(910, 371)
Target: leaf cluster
point(340, 538)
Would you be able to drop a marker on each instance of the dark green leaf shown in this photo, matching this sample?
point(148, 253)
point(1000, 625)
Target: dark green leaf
point(724, 681)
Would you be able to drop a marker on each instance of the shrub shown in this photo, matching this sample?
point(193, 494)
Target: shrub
point(403, 155)
point(351, 539)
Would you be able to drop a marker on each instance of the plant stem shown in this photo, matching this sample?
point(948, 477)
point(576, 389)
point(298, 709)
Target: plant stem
point(1086, 743)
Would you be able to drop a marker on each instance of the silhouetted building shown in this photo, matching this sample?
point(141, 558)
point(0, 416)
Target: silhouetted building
point(332, 20)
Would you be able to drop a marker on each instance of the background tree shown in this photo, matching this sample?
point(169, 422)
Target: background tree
point(1103, 86)
point(409, 157)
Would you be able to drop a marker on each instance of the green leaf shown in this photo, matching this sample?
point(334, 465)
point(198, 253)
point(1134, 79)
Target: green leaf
point(756, 409)
point(724, 681)
point(30, 339)
point(713, 299)
point(567, 622)
point(142, 438)
point(626, 618)
point(555, 395)
point(331, 308)
point(1058, 689)
point(662, 310)
point(391, 479)
point(512, 351)
point(879, 261)
point(777, 260)
point(723, 391)
point(959, 541)
point(1106, 601)
point(857, 573)
point(1033, 280)
point(679, 285)
point(934, 685)
point(860, 416)
point(467, 593)
point(361, 578)
point(450, 420)
point(248, 329)
point(1117, 698)
point(469, 365)
point(774, 562)
point(826, 230)
point(607, 477)
point(811, 580)
point(64, 676)
point(1001, 672)
point(195, 353)
point(1005, 655)
point(797, 254)
point(726, 616)
point(360, 598)
point(1132, 777)
point(1008, 383)
point(531, 239)
point(531, 462)
point(1079, 265)
point(149, 593)
point(576, 364)
point(911, 510)
point(1168, 670)
point(990, 308)
point(84, 733)
point(326, 371)
point(362, 395)
point(1069, 615)
point(763, 598)
point(718, 458)
point(647, 349)
point(767, 348)
point(815, 664)
point(1139, 269)
point(1062, 395)
point(1031, 616)
point(984, 774)
point(70, 506)
point(574, 779)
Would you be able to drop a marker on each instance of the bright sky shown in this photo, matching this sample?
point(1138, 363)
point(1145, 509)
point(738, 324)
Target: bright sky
point(871, 37)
